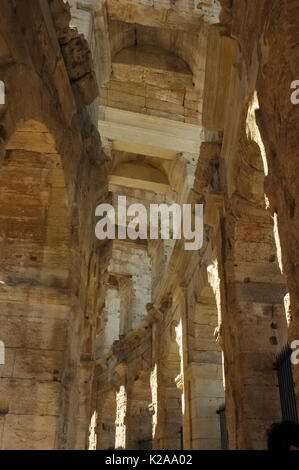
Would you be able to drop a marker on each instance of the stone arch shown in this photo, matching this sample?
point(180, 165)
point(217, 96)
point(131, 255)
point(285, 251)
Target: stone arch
point(32, 177)
point(139, 415)
point(43, 101)
point(170, 428)
point(205, 374)
point(115, 315)
point(35, 302)
point(22, 108)
point(106, 428)
point(183, 45)
point(152, 56)
point(252, 291)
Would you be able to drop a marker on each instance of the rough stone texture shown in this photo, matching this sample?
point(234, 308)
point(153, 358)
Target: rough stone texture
point(52, 173)
point(76, 54)
point(238, 287)
point(137, 344)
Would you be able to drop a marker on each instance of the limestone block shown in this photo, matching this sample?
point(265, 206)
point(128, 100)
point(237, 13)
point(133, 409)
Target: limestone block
point(125, 98)
point(193, 94)
point(166, 106)
point(39, 333)
point(164, 94)
point(127, 87)
point(206, 444)
point(208, 388)
point(213, 356)
point(204, 407)
point(124, 72)
point(38, 398)
point(206, 428)
point(38, 364)
point(27, 432)
point(126, 106)
point(34, 301)
point(6, 370)
point(259, 318)
point(222, 51)
point(258, 272)
point(2, 421)
point(167, 115)
point(164, 14)
point(261, 292)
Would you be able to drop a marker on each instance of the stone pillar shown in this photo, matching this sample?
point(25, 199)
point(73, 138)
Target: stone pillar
point(166, 420)
point(204, 371)
point(121, 414)
point(139, 414)
point(119, 380)
point(206, 396)
point(252, 329)
point(179, 298)
point(155, 389)
point(156, 380)
point(277, 119)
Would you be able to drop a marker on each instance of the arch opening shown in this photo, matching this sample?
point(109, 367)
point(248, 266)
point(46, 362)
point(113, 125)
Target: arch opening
point(34, 295)
point(106, 426)
point(139, 414)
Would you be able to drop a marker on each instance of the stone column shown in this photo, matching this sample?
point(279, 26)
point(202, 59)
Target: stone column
point(119, 381)
point(156, 407)
point(252, 328)
point(206, 396)
point(179, 298)
point(155, 389)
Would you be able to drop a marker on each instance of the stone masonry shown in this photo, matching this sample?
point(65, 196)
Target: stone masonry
point(137, 344)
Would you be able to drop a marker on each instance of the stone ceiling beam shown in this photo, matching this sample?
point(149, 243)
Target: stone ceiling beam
point(126, 126)
point(140, 184)
point(154, 15)
point(143, 149)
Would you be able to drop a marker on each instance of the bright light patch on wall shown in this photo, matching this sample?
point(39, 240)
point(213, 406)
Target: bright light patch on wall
point(277, 242)
point(253, 132)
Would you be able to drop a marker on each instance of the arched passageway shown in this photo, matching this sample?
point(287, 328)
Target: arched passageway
point(139, 416)
point(106, 422)
point(34, 273)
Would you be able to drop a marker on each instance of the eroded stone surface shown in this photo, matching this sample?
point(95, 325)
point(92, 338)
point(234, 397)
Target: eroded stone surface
point(137, 344)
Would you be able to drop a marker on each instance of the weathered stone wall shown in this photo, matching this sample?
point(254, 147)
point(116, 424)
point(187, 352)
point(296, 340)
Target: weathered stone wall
point(234, 285)
point(52, 175)
point(137, 344)
point(253, 289)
